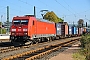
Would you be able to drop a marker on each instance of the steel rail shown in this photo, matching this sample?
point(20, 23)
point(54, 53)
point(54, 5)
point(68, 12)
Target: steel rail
point(53, 47)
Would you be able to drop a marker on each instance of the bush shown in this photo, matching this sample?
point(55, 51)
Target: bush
point(3, 31)
point(85, 44)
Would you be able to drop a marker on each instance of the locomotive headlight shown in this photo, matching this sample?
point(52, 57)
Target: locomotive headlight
point(13, 29)
point(25, 33)
point(13, 33)
point(25, 29)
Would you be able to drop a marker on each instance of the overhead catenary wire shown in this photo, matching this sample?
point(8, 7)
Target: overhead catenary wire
point(49, 6)
point(2, 7)
point(75, 13)
point(64, 6)
point(13, 4)
point(74, 10)
point(46, 5)
point(20, 11)
point(71, 8)
point(13, 9)
point(4, 12)
point(29, 4)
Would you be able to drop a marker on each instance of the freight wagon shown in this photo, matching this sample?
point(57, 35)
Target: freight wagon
point(61, 29)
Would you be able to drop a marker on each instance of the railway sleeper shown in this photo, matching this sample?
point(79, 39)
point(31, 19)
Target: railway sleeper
point(43, 49)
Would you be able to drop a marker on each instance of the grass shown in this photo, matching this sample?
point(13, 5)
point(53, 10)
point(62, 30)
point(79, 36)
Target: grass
point(79, 56)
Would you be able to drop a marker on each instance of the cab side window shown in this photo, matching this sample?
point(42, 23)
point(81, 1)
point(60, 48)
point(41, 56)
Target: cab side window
point(33, 22)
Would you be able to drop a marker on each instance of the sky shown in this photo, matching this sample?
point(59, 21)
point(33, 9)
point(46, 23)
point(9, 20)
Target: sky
point(69, 10)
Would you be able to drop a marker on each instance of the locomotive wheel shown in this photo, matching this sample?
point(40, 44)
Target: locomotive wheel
point(50, 38)
point(31, 43)
point(42, 39)
point(36, 42)
point(39, 40)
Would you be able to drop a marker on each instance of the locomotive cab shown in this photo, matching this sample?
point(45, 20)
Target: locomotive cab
point(19, 29)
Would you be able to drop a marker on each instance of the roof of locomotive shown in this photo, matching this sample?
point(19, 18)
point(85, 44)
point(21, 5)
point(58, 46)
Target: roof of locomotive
point(39, 19)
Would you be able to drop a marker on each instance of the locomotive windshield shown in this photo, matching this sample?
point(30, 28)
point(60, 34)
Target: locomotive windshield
point(25, 22)
point(16, 21)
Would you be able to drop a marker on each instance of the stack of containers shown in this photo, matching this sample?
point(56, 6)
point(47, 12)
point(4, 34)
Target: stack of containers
point(74, 30)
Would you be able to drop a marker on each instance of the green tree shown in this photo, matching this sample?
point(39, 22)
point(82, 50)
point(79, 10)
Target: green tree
point(80, 23)
point(60, 20)
point(51, 16)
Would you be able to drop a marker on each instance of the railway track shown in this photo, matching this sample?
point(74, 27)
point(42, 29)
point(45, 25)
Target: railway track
point(40, 51)
point(12, 48)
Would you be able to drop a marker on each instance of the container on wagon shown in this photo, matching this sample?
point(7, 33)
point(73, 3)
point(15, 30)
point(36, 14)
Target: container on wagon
point(77, 30)
point(64, 29)
point(58, 28)
point(74, 30)
point(70, 30)
point(81, 31)
point(84, 30)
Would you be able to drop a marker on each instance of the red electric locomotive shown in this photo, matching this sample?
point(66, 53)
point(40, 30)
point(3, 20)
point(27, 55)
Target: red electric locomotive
point(29, 29)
